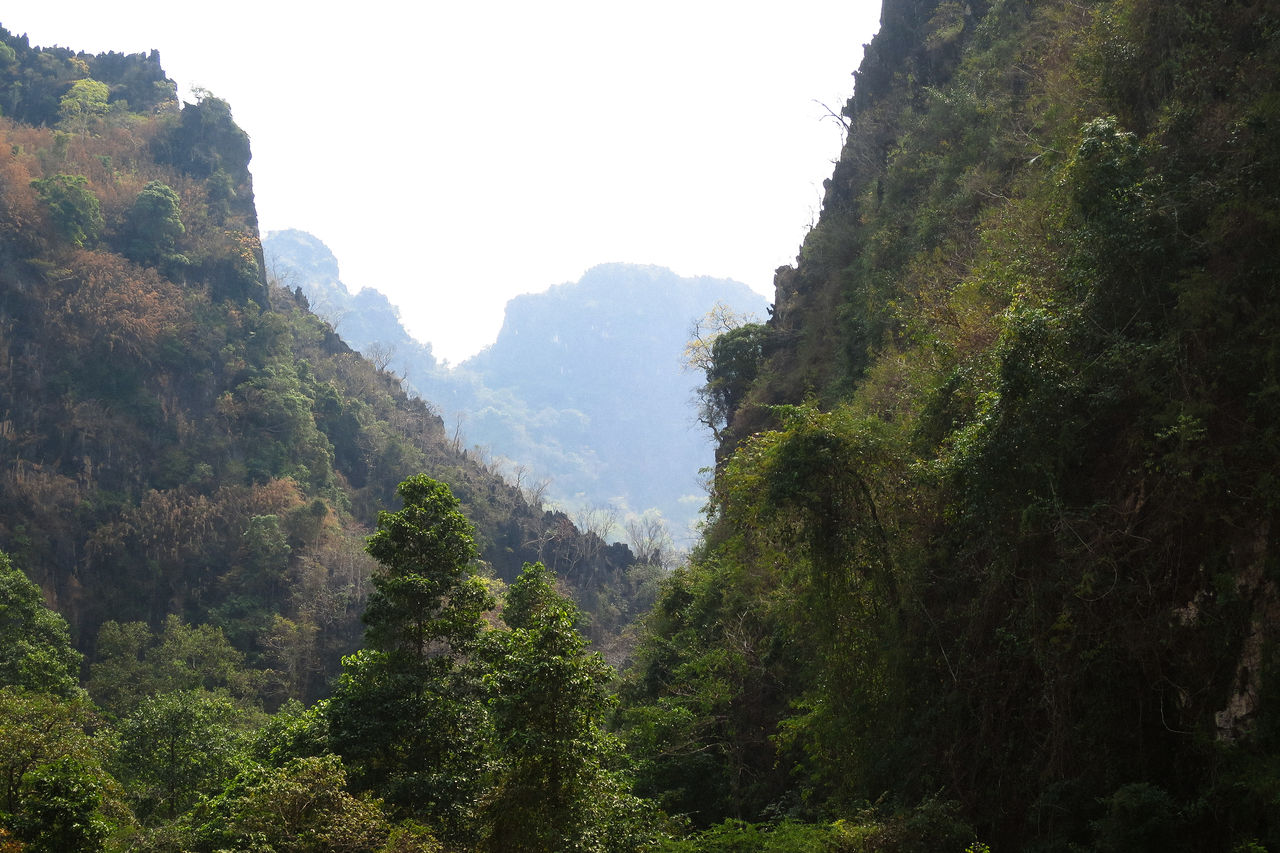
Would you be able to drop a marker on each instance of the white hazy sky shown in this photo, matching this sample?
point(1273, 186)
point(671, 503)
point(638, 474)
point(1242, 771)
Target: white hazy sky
point(456, 154)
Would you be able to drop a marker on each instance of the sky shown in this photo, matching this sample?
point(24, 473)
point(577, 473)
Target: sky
point(454, 155)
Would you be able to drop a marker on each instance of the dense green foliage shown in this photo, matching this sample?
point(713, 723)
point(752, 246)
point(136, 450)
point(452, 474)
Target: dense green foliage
point(990, 556)
point(491, 737)
point(446, 726)
point(994, 520)
point(73, 208)
point(559, 784)
point(35, 645)
point(55, 794)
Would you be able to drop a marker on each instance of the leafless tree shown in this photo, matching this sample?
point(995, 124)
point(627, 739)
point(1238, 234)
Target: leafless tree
point(838, 118)
point(379, 354)
point(536, 492)
point(456, 441)
point(649, 538)
point(600, 520)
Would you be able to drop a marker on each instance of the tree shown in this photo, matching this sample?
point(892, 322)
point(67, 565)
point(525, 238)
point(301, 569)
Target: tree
point(302, 807)
point(35, 644)
point(207, 139)
point(820, 490)
point(120, 677)
point(721, 318)
point(155, 224)
point(728, 348)
point(83, 104)
point(133, 663)
point(53, 791)
point(61, 807)
point(263, 559)
point(736, 357)
point(649, 538)
point(73, 208)
point(556, 791)
point(176, 746)
point(426, 604)
point(406, 712)
point(380, 354)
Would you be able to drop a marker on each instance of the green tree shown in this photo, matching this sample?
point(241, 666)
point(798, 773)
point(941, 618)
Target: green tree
point(292, 732)
point(734, 362)
point(556, 791)
point(427, 600)
point(406, 713)
point(61, 807)
point(264, 556)
point(54, 793)
point(176, 746)
point(710, 680)
point(206, 139)
point(133, 663)
point(73, 208)
point(121, 677)
point(35, 645)
point(155, 225)
point(83, 104)
point(820, 489)
point(302, 807)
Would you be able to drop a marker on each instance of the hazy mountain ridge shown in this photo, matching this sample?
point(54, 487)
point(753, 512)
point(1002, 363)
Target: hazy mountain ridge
point(583, 387)
point(609, 347)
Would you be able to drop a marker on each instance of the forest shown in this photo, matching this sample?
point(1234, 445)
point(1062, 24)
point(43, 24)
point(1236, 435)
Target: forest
point(987, 562)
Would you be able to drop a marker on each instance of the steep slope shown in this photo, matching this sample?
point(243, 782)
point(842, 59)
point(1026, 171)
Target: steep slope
point(175, 436)
point(996, 508)
point(583, 395)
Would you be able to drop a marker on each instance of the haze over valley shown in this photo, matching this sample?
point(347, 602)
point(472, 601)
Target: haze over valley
point(584, 395)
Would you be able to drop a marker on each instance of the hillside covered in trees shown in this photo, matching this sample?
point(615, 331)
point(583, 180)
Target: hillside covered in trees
point(994, 533)
point(178, 435)
point(990, 558)
point(190, 465)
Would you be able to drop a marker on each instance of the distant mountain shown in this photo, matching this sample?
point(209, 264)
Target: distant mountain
point(366, 320)
point(598, 364)
point(583, 388)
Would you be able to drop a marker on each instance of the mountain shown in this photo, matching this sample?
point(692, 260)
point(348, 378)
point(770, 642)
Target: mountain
point(990, 560)
point(178, 437)
point(598, 362)
point(994, 520)
point(583, 393)
point(366, 319)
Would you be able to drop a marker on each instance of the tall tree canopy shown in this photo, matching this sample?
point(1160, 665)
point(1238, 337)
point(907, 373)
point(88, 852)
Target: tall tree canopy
point(407, 712)
point(559, 788)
